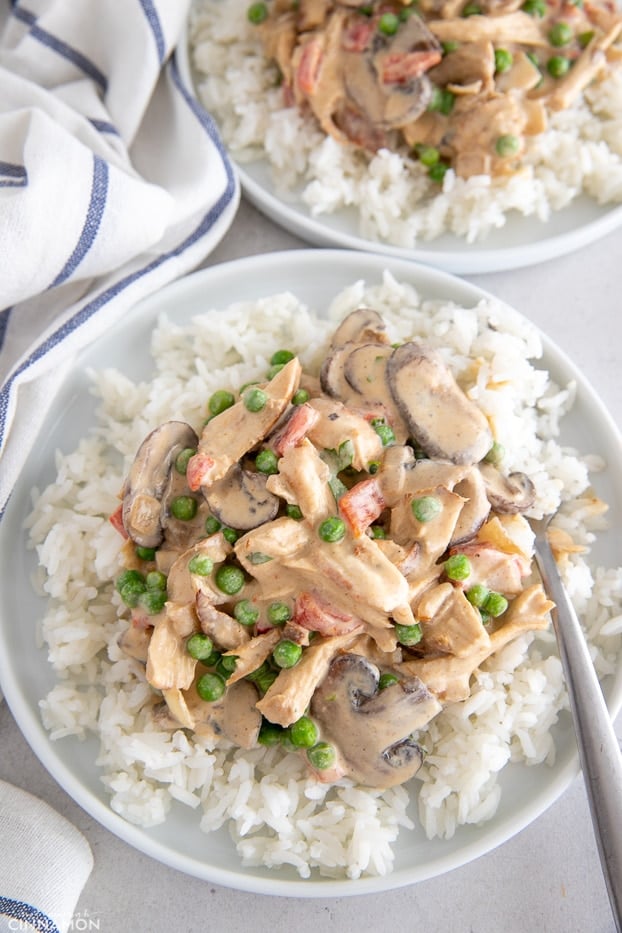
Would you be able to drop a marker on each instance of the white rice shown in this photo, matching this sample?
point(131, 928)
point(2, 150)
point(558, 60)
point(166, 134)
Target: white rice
point(391, 195)
point(277, 814)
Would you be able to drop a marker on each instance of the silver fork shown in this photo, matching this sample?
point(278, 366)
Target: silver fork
point(599, 750)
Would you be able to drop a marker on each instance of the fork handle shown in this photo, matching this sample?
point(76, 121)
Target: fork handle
point(599, 749)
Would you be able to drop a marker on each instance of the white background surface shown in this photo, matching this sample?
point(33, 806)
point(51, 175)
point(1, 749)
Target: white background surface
point(546, 879)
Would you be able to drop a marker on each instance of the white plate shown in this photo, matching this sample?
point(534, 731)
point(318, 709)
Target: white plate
point(523, 241)
point(315, 276)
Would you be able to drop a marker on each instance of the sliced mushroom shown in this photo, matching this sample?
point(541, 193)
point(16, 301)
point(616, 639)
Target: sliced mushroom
point(361, 326)
point(147, 480)
point(241, 719)
point(475, 509)
point(440, 417)
point(365, 372)
point(507, 494)
point(372, 728)
point(332, 375)
point(240, 499)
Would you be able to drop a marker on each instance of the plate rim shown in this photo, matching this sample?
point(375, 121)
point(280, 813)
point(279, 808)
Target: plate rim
point(28, 719)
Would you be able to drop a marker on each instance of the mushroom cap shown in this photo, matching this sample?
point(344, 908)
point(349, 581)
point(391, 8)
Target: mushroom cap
point(241, 500)
point(507, 494)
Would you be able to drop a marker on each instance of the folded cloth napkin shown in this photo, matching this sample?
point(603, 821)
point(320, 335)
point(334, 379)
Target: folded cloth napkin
point(44, 864)
point(113, 182)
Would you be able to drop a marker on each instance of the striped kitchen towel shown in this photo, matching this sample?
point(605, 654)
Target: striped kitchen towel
point(113, 182)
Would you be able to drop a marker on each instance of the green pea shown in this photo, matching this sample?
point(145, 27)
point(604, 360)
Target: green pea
point(409, 634)
point(220, 401)
point(278, 613)
point(257, 13)
point(230, 535)
point(558, 66)
point(384, 431)
point(184, 508)
point(155, 580)
point(255, 400)
point(212, 525)
point(332, 530)
point(373, 467)
point(200, 646)
point(245, 612)
point(428, 155)
point(263, 677)
point(560, 34)
point(437, 172)
point(457, 567)
point(211, 687)
point(388, 679)
point(304, 733)
point(226, 665)
point(131, 592)
point(378, 532)
point(477, 595)
point(287, 653)
point(426, 508)
point(293, 511)
point(152, 601)
point(267, 462)
point(182, 458)
point(496, 453)
point(229, 579)
point(213, 659)
point(201, 565)
point(300, 396)
point(388, 24)
point(442, 101)
point(321, 756)
point(274, 371)
point(471, 9)
point(535, 7)
point(129, 576)
point(269, 734)
point(145, 553)
point(503, 60)
point(507, 145)
point(449, 47)
point(280, 357)
point(495, 604)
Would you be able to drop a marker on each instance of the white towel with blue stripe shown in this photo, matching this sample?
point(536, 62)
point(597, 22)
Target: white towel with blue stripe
point(113, 182)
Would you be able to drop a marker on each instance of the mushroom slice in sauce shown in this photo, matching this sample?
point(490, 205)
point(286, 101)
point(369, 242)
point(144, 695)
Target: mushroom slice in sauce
point(371, 728)
point(361, 326)
point(240, 499)
point(365, 370)
point(148, 478)
point(475, 509)
point(441, 418)
point(507, 494)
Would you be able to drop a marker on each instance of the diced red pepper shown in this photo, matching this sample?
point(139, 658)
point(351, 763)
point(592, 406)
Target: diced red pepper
point(402, 66)
point(198, 470)
point(116, 520)
point(357, 35)
point(309, 66)
point(298, 425)
point(318, 616)
point(362, 505)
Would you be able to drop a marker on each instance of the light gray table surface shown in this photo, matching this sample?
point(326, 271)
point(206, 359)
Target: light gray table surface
point(544, 880)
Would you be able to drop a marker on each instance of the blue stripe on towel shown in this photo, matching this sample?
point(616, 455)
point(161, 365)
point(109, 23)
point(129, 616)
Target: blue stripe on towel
point(97, 204)
point(12, 176)
point(93, 306)
point(24, 913)
point(5, 317)
point(154, 21)
point(62, 48)
point(103, 126)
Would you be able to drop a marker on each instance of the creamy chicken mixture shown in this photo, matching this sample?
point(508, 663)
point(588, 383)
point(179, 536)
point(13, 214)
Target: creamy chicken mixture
point(326, 565)
point(461, 83)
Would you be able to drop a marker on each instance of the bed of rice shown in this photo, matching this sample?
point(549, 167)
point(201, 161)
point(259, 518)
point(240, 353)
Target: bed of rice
point(393, 199)
point(276, 814)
